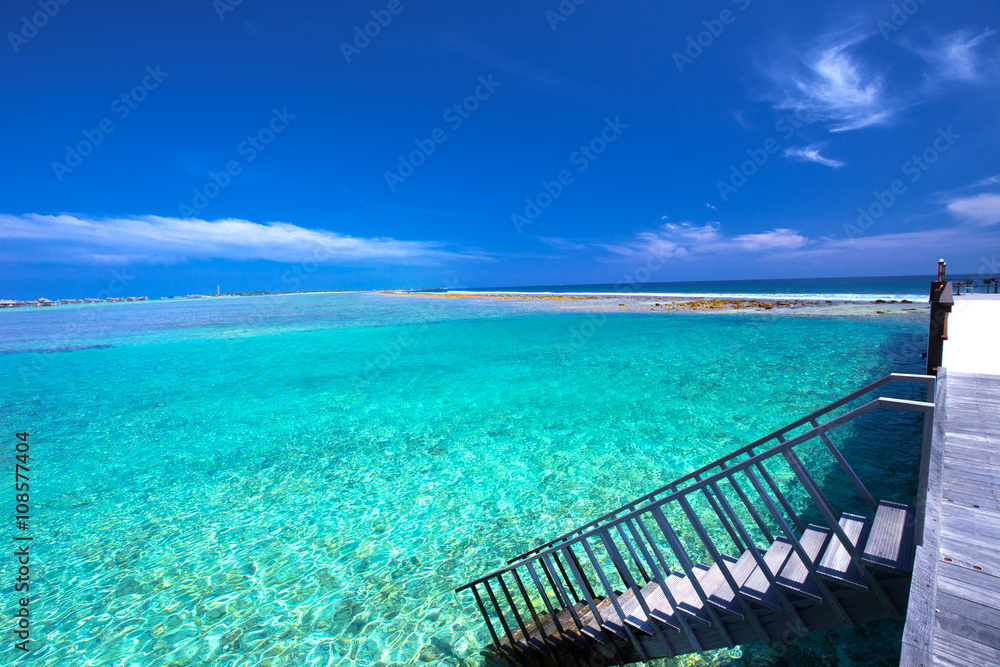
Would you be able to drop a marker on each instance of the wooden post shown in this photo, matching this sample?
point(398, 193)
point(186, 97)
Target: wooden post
point(941, 303)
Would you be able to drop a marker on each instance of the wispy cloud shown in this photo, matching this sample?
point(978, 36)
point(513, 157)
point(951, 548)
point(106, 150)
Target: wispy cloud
point(954, 57)
point(687, 239)
point(543, 80)
point(562, 244)
point(153, 239)
point(811, 153)
point(835, 84)
point(832, 85)
point(982, 210)
point(991, 180)
point(791, 248)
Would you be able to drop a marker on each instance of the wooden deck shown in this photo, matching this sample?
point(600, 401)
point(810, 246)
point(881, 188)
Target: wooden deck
point(954, 610)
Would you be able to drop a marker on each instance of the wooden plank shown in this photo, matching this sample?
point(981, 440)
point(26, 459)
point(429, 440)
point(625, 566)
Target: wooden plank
point(968, 472)
point(976, 586)
point(757, 587)
point(681, 588)
point(795, 575)
point(890, 542)
point(974, 614)
point(918, 632)
point(723, 596)
point(972, 629)
point(969, 496)
point(966, 627)
point(593, 629)
point(713, 580)
point(836, 562)
point(957, 517)
point(954, 648)
point(960, 496)
point(659, 606)
point(555, 638)
point(969, 543)
point(632, 609)
point(964, 555)
point(969, 448)
point(980, 472)
point(974, 492)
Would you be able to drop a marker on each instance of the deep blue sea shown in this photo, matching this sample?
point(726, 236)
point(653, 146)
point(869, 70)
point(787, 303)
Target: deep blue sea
point(304, 479)
point(913, 288)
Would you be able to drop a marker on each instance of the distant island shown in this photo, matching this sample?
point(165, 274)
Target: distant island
point(7, 303)
point(10, 303)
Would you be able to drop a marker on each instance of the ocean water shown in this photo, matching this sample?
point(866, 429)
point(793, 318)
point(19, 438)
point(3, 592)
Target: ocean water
point(913, 288)
point(304, 480)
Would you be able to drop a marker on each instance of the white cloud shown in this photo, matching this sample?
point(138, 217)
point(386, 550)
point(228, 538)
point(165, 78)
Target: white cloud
point(836, 88)
point(774, 240)
point(894, 251)
point(811, 154)
point(686, 239)
point(982, 210)
point(953, 57)
point(153, 239)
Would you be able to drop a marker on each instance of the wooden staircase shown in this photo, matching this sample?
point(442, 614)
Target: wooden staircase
point(722, 556)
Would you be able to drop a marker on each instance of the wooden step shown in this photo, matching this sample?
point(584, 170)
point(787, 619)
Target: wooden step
point(757, 587)
point(536, 642)
point(659, 607)
point(685, 595)
point(836, 563)
point(890, 541)
point(634, 615)
point(723, 596)
point(794, 575)
point(609, 621)
point(712, 581)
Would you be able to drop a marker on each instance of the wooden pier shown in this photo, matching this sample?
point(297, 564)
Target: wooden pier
point(954, 609)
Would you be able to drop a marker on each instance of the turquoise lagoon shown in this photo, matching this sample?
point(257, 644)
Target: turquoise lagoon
point(303, 480)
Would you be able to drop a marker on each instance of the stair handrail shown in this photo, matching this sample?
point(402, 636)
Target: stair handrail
point(928, 381)
point(881, 402)
point(549, 557)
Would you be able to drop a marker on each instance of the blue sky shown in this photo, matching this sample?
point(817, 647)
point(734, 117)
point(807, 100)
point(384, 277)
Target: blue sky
point(266, 145)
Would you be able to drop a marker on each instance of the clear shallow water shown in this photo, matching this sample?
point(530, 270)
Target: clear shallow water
point(303, 480)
